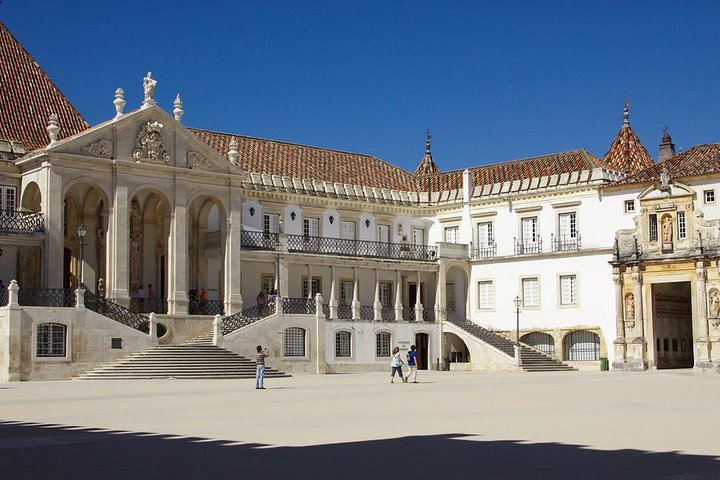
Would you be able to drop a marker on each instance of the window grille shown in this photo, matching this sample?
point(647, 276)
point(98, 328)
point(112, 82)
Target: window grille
point(51, 340)
point(386, 295)
point(342, 344)
point(568, 289)
point(486, 294)
point(582, 346)
point(531, 292)
point(681, 230)
point(652, 218)
point(382, 344)
point(294, 342)
point(540, 341)
point(271, 223)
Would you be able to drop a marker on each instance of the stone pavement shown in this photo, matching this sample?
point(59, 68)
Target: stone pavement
point(576, 425)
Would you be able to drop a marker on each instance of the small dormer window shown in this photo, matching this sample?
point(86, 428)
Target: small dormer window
point(629, 206)
point(709, 196)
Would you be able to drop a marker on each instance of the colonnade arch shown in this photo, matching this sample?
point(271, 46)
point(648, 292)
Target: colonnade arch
point(207, 238)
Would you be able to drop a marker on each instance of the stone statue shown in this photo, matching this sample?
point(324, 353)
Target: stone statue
point(714, 303)
point(149, 85)
point(664, 179)
point(630, 306)
point(667, 229)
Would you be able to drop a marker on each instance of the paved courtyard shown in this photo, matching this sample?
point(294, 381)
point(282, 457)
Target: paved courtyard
point(579, 425)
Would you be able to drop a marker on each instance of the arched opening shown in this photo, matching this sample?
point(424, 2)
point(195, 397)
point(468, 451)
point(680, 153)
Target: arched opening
point(455, 350)
point(29, 258)
point(581, 345)
point(456, 294)
point(540, 341)
point(206, 256)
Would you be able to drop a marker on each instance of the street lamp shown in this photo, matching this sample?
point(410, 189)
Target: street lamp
point(81, 231)
point(517, 303)
point(278, 249)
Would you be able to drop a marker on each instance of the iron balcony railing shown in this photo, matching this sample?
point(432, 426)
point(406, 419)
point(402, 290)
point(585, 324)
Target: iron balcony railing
point(367, 312)
point(206, 307)
point(565, 243)
point(46, 297)
point(484, 250)
point(110, 309)
point(428, 314)
point(258, 240)
point(344, 312)
point(147, 305)
point(12, 221)
point(360, 248)
point(299, 305)
point(244, 318)
point(528, 247)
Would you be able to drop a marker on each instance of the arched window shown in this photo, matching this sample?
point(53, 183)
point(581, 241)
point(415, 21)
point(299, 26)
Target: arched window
point(51, 340)
point(342, 344)
point(294, 342)
point(582, 346)
point(382, 344)
point(540, 341)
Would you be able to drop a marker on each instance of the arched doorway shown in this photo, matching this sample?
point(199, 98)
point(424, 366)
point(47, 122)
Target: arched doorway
point(455, 351)
point(456, 294)
point(206, 256)
point(422, 344)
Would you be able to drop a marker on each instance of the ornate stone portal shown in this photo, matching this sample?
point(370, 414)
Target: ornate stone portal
point(150, 146)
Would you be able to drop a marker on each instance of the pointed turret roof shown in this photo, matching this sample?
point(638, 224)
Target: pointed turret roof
point(28, 97)
point(627, 153)
point(427, 165)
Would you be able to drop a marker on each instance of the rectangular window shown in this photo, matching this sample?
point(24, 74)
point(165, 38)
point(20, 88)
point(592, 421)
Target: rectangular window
point(450, 297)
point(51, 340)
point(382, 344)
point(346, 293)
point(294, 342)
point(652, 223)
point(311, 227)
point(486, 294)
point(7, 198)
point(347, 230)
point(530, 232)
point(342, 344)
point(271, 223)
point(485, 234)
point(681, 227)
point(451, 234)
point(629, 206)
point(531, 292)
point(268, 284)
point(418, 236)
point(709, 196)
point(314, 286)
point(383, 233)
point(567, 227)
point(568, 289)
point(386, 295)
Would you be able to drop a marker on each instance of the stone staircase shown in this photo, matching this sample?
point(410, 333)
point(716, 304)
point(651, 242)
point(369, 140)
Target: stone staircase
point(196, 359)
point(531, 360)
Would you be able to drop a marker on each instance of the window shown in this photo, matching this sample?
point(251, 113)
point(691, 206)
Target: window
point(568, 289)
point(271, 223)
point(386, 295)
point(531, 292)
point(530, 232)
point(540, 341)
point(342, 344)
point(567, 226)
point(709, 196)
point(314, 287)
point(653, 225)
point(294, 342)
point(347, 230)
point(450, 297)
point(7, 198)
point(51, 340)
point(582, 345)
point(681, 227)
point(486, 294)
point(418, 236)
point(268, 284)
point(485, 234)
point(346, 293)
point(311, 227)
point(382, 344)
point(451, 234)
point(629, 206)
point(383, 233)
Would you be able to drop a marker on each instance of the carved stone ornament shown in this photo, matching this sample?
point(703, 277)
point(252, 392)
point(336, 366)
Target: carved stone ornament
point(714, 303)
point(149, 144)
point(101, 148)
point(196, 161)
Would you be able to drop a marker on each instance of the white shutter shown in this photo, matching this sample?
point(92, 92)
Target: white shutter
point(311, 227)
point(529, 230)
point(567, 226)
point(418, 236)
point(7, 198)
point(383, 233)
point(451, 234)
point(347, 230)
point(485, 234)
point(531, 292)
point(486, 294)
point(568, 289)
point(272, 223)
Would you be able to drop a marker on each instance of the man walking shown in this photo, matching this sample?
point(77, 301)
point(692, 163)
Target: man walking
point(412, 364)
point(260, 367)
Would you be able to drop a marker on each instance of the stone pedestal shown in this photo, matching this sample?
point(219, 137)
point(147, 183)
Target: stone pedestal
point(636, 356)
point(620, 360)
point(702, 353)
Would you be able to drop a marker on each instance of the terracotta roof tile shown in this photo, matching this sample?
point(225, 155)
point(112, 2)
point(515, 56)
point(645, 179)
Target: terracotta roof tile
point(258, 155)
point(28, 97)
point(627, 153)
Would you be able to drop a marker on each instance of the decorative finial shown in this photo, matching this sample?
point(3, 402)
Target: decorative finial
point(149, 85)
point(233, 152)
point(428, 136)
point(626, 113)
point(53, 128)
point(178, 110)
point(119, 102)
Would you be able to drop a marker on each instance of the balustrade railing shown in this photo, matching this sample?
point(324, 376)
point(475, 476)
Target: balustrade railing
point(344, 312)
point(428, 314)
point(528, 248)
point(110, 309)
point(299, 305)
point(21, 222)
point(408, 314)
point(360, 248)
point(244, 318)
point(206, 307)
point(484, 250)
point(258, 240)
point(387, 314)
point(147, 305)
point(367, 312)
point(46, 297)
point(565, 243)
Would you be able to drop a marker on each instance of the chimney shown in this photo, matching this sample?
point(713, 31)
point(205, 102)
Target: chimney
point(667, 148)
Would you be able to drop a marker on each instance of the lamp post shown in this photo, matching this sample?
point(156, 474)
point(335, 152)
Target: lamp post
point(81, 231)
point(517, 303)
point(278, 249)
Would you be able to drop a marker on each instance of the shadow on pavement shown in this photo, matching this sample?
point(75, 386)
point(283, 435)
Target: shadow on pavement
point(34, 451)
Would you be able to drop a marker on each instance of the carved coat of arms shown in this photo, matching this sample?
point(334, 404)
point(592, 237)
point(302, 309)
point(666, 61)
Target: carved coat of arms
point(149, 143)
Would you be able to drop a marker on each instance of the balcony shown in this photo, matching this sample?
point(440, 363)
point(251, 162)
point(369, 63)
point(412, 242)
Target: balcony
point(14, 222)
point(528, 247)
point(360, 248)
point(565, 243)
point(484, 250)
point(258, 240)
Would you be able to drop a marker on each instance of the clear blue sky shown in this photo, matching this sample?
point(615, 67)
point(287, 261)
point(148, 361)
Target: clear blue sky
point(494, 81)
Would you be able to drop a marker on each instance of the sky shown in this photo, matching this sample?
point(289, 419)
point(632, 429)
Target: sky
point(492, 80)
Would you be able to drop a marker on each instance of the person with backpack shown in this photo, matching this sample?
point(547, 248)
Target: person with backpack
point(396, 365)
point(412, 365)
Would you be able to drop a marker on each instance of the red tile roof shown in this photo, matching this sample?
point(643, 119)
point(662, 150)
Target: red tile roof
point(627, 153)
point(698, 160)
point(28, 97)
point(258, 155)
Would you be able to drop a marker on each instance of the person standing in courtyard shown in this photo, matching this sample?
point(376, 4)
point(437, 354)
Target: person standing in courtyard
point(262, 353)
point(412, 365)
point(396, 366)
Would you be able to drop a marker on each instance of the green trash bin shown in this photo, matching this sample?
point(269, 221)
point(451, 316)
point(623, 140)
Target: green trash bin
point(604, 365)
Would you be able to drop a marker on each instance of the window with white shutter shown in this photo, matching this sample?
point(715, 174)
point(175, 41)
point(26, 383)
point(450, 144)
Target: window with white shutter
point(531, 292)
point(7, 198)
point(530, 231)
point(568, 289)
point(451, 234)
point(347, 230)
point(486, 294)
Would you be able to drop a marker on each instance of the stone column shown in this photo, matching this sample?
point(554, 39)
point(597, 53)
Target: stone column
point(118, 254)
point(309, 280)
point(398, 297)
point(52, 208)
point(636, 352)
point(619, 342)
point(702, 353)
point(177, 257)
point(333, 304)
point(418, 301)
point(440, 300)
point(356, 296)
point(377, 306)
point(319, 333)
point(233, 265)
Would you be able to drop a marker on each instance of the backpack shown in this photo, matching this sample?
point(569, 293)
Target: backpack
point(409, 358)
